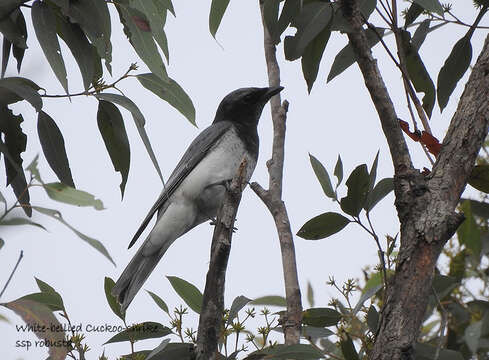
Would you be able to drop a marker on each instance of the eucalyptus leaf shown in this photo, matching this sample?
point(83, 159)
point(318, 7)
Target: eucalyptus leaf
point(142, 331)
point(322, 226)
point(238, 303)
point(218, 8)
point(66, 194)
point(188, 292)
point(111, 300)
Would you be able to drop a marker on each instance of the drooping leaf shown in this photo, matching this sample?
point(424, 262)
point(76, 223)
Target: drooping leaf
point(158, 350)
point(380, 191)
point(111, 300)
point(159, 301)
point(320, 317)
point(478, 208)
point(238, 303)
point(340, 23)
point(346, 57)
point(94, 18)
point(113, 131)
point(290, 9)
point(314, 333)
point(312, 56)
point(13, 89)
point(358, 184)
point(479, 178)
point(443, 285)
point(348, 349)
point(53, 147)
point(431, 6)
point(420, 34)
point(312, 20)
point(366, 295)
point(322, 226)
point(142, 331)
point(218, 8)
point(468, 232)
point(138, 119)
point(188, 292)
point(41, 319)
point(44, 22)
point(270, 16)
point(171, 92)
point(55, 214)
point(418, 74)
point(7, 6)
point(21, 25)
point(11, 31)
point(6, 46)
point(137, 29)
point(373, 319)
point(14, 144)
point(270, 300)
point(82, 50)
point(20, 221)
point(68, 195)
point(373, 172)
point(156, 21)
point(453, 69)
point(310, 294)
point(322, 176)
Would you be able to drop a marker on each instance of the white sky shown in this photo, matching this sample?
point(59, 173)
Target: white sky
point(337, 118)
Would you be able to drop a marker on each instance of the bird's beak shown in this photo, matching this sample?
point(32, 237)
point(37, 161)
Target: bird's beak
point(271, 91)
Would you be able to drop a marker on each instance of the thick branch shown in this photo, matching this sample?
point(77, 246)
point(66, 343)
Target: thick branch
point(210, 321)
point(376, 87)
point(273, 198)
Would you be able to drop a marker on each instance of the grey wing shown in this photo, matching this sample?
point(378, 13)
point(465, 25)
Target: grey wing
point(194, 154)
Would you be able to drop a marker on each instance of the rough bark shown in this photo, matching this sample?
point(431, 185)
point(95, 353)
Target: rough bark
point(425, 204)
point(210, 320)
point(272, 198)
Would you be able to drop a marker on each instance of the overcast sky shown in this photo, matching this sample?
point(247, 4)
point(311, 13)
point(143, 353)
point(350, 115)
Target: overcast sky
point(336, 118)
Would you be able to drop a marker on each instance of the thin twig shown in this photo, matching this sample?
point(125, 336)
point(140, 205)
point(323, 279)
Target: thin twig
point(21, 255)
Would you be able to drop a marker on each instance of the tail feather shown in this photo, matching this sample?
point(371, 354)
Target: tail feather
point(134, 276)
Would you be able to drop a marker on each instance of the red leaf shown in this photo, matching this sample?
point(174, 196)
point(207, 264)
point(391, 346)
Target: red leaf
point(141, 23)
point(431, 143)
point(405, 127)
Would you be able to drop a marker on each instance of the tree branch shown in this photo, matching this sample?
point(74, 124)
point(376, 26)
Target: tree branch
point(210, 321)
point(272, 197)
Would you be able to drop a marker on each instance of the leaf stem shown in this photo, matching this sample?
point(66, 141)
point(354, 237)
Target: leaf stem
point(21, 255)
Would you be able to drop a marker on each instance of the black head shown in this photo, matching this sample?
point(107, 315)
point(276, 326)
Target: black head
point(244, 106)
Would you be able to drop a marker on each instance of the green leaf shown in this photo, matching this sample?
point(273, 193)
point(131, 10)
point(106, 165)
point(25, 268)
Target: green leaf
point(80, 48)
point(20, 221)
point(338, 170)
point(94, 18)
point(113, 131)
point(418, 74)
point(68, 195)
point(156, 21)
point(171, 92)
point(315, 333)
point(373, 319)
point(39, 316)
point(53, 147)
point(172, 351)
point(270, 300)
point(472, 335)
point(380, 191)
point(312, 20)
point(44, 22)
point(320, 317)
point(159, 301)
point(13, 89)
point(6, 46)
point(322, 176)
point(188, 292)
point(322, 226)
point(49, 298)
point(479, 178)
point(270, 17)
point(357, 183)
point(468, 232)
point(346, 57)
point(138, 120)
point(428, 352)
point(218, 8)
point(137, 29)
point(348, 349)
point(310, 294)
point(44, 287)
point(238, 303)
point(373, 172)
point(453, 69)
point(478, 208)
point(290, 9)
point(142, 331)
point(11, 30)
point(14, 143)
point(296, 351)
point(111, 300)
point(55, 214)
point(158, 350)
point(420, 34)
point(443, 285)
point(312, 55)
point(366, 295)
point(431, 6)
point(412, 14)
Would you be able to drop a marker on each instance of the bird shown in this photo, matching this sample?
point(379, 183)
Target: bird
point(196, 188)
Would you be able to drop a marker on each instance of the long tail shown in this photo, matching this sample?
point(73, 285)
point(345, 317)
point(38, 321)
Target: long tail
point(134, 276)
